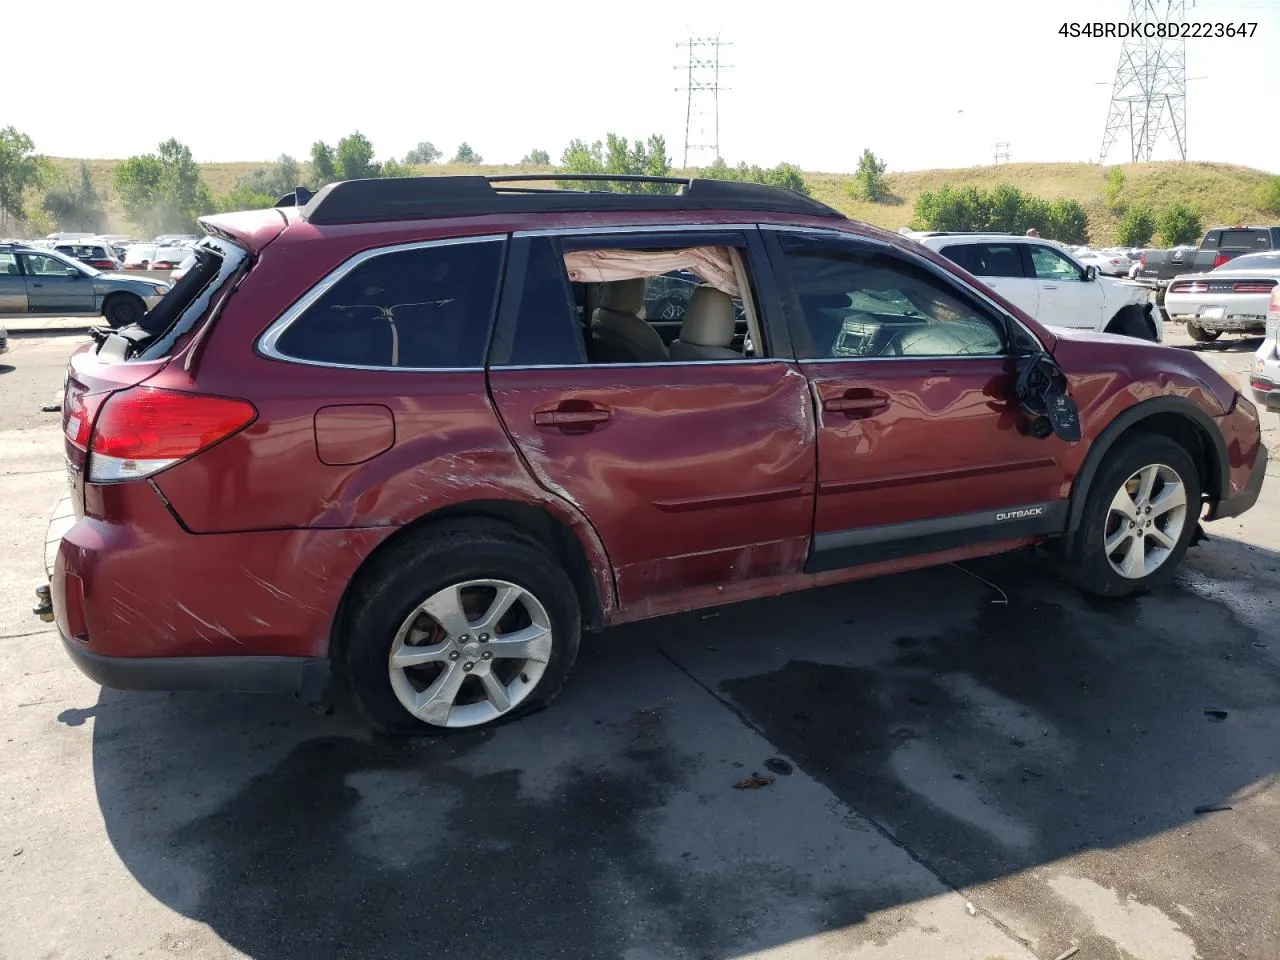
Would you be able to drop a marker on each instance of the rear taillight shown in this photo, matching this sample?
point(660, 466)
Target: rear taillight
point(1254, 286)
point(1273, 308)
point(79, 408)
point(102, 264)
point(143, 430)
point(1219, 260)
point(1142, 261)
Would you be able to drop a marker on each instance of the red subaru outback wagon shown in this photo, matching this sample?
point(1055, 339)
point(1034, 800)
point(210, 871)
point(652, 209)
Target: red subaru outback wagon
point(420, 433)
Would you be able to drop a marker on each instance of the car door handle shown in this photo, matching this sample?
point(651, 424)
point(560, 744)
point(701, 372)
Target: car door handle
point(572, 416)
point(856, 404)
point(37, 284)
point(1050, 286)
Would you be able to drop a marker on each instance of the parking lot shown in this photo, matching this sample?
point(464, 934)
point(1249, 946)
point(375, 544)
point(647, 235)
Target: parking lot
point(966, 762)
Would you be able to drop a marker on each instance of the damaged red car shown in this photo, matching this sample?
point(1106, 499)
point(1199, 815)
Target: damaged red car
point(421, 433)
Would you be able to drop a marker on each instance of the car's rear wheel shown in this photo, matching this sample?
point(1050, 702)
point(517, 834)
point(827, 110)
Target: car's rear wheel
point(466, 625)
point(1200, 335)
point(123, 309)
point(1139, 517)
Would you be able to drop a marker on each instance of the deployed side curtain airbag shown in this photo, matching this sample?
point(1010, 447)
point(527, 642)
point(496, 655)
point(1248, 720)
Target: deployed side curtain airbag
point(712, 265)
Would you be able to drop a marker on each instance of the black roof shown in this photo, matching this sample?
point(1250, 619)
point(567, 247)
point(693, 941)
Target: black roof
point(420, 198)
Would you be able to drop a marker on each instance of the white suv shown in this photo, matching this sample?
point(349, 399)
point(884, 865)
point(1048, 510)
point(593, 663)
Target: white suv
point(1049, 284)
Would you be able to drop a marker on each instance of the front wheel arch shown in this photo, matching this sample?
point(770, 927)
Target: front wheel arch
point(1174, 417)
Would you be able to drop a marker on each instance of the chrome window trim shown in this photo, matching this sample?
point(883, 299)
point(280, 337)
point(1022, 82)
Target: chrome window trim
point(266, 344)
point(634, 228)
point(931, 267)
point(628, 366)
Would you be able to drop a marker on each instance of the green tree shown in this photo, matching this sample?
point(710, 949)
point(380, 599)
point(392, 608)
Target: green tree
point(616, 156)
point(1269, 195)
point(786, 175)
point(868, 181)
point(355, 158)
point(74, 203)
point(1179, 223)
point(536, 158)
point(275, 180)
point(424, 153)
point(163, 191)
point(324, 165)
point(21, 168)
point(1137, 227)
point(1113, 189)
point(464, 154)
point(393, 168)
point(1067, 222)
point(243, 197)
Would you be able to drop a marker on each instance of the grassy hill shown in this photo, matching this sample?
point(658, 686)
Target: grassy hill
point(1223, 193)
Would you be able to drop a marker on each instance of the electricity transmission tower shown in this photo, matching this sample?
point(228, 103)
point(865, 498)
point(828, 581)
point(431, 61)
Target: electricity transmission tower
point(1002, 152)
point(1149, 95)
point(702, 104)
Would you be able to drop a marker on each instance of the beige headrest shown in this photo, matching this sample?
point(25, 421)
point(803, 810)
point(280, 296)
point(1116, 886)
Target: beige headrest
point(623, 296)
point(708, 319)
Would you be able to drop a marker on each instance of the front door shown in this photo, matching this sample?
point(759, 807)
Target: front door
point(697, 473)
point(55, 286)
point(1067, 299)
point(919, 441)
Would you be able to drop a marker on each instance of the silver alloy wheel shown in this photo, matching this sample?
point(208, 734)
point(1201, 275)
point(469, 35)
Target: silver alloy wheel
point(470, 653)
point(1147, 517)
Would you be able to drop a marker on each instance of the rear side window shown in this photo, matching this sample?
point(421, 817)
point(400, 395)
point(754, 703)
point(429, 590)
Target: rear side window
point(987, 259)
point(427, 307)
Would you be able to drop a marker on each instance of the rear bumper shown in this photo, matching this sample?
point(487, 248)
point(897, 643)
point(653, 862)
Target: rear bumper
point(305, 677)
point(1238, 503)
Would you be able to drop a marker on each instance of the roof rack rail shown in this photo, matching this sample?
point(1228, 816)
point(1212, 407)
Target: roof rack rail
point(421, 198)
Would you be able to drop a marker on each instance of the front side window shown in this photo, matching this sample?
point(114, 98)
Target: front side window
point(39, 265)
point(1049, 264)
point(863, 304)
point(420, 308)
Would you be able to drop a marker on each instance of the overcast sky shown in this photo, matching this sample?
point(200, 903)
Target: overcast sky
point(924, 83)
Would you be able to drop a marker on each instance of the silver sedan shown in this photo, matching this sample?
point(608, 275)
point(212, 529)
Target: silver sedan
point(34, 280)
point(1231, 299)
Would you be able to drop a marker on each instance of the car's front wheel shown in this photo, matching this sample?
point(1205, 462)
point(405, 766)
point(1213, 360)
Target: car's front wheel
point(1139, 517)
point(466, 625)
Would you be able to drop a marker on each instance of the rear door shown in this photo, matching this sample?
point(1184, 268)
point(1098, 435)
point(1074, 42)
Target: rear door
point(1067, 299)
point(55, 286)
point(698, 474)
point(1001, 267)
point(919, 446)
point(13, 288)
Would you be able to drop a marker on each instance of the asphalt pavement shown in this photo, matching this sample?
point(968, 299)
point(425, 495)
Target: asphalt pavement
point(966, 762)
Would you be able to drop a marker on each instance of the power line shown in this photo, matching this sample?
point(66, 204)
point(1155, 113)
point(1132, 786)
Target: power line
point(1149, 93)
point(702, 88)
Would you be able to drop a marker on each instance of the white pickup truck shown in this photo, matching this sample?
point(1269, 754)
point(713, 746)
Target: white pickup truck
point(1049, 284)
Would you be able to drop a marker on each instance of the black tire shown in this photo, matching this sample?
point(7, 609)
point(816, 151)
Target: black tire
point(122, 309)
point(1132, 322)
point(1088, 564)
point(1200, 335)
point(410, 572)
